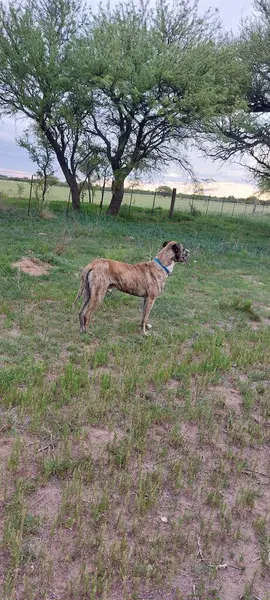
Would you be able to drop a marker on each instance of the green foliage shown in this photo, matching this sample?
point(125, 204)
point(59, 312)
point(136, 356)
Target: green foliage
point(164, 190)
point(126, 86)
point(38, 78)
point(246, 131)
point(156, 72)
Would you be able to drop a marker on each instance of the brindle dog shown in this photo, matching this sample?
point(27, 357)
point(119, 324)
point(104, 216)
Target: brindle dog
point(144, 279)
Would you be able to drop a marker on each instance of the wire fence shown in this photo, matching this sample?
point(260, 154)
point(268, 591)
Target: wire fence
point(153, 201)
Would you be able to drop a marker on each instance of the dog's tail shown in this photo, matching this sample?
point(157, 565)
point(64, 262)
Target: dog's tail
point(84, 286)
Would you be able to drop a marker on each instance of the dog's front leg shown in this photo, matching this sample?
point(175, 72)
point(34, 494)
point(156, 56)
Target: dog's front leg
point(147, 305)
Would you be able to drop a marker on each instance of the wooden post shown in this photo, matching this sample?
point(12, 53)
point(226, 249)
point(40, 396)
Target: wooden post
point(89, 191)
point(102, 193)
point(130, 200)
point(233, 207)
point(172, 203)
point(67, 209)
point(207, 205)
point(222, 206)
point(154, 199)
point(30, 195)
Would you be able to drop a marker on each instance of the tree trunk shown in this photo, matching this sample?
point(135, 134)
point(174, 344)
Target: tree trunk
point(117, 196)
point(75, 193)
point(44, 189)
point(68, 174)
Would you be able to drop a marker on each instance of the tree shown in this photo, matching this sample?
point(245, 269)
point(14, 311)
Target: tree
point(41, 153)
point(245, 133)
point(38, 76)
point(165, 190)
point(156, 72)
point(94, 168)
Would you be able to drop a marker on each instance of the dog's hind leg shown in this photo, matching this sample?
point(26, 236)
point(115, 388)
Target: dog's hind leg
point(147, 305)
point(85, 303)
point(85, 291)
point(97, 295)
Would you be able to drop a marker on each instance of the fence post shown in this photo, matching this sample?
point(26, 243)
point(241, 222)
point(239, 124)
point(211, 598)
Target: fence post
point(154, 199)
point(102, 193)
point(222, 207)
point(30, 195)
point(89, 191)
point(245, 208)
point(172, 203)
point(67, 209)
point(207, 205)
point(233, 208)
point(130, 200)
point(254, 207)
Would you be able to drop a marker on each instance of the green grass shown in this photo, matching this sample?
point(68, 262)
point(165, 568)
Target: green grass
point(135, 467)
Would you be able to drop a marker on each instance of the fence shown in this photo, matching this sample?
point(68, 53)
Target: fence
point(153, 201)
point(196, 205)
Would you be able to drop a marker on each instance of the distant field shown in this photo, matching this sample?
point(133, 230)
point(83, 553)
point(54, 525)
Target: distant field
point(12, 189)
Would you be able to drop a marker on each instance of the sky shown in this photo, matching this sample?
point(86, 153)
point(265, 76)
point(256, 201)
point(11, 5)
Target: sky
point(228, 179)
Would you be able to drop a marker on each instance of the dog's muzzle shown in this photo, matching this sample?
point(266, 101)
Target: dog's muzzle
point(184, 255)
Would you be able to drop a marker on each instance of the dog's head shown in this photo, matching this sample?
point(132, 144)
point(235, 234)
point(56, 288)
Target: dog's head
point(178, 252)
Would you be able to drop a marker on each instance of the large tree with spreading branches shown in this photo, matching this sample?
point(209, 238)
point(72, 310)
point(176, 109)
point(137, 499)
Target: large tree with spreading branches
point(38, 77)
point(156, 72)
point(245, 134)
point(129, 84)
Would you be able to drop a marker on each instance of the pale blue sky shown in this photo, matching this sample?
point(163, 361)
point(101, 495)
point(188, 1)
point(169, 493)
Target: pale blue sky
point(231, 11)
point(230, 179)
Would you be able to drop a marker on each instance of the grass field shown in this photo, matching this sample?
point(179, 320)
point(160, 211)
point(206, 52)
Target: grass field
point(135, 468)
point(56, 193)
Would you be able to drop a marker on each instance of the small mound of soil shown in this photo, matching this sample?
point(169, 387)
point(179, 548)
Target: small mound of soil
point(32, 266)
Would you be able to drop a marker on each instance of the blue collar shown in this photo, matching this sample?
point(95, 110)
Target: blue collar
point(156, 259)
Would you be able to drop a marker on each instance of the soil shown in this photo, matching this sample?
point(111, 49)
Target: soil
point(32, 266)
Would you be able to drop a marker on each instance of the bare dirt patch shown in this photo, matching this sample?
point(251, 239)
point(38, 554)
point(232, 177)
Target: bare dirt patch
point(5, 448)
point(32, 266)
point(97, 439)
point(46, 500)
point(231, 396)
point(15, 332)
point(173, 384)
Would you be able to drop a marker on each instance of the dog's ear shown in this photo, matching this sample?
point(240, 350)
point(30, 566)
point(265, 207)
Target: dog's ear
point(165, 244)
point(177, 251)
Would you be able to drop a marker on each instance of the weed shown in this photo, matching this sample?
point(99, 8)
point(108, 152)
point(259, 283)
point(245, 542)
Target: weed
point(247, 497)
point(241, 304)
